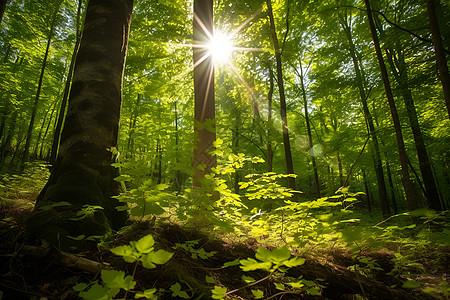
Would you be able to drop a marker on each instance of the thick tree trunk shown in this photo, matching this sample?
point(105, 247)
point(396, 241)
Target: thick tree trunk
point(286, 141)
point(382, 191)
point(407, 184)
point(62, 110)
point(82, 175)
point(204, 111)
point(439, 51)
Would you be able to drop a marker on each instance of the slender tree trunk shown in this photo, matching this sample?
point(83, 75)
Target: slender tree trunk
point(368, 195)
point(133, 120)
point(286, 141)
point(431, 192)
point(82, 174)
point(6, 148)
point(407, 184)
point(341, 174)
point(26, 153)
point(2, 9)
point(308, 130)
point(177, 151)
point(439, 51)
point(204, 111)
point(47, 128)
point(269, 122)
point(41, 128)
point(391, 186)
point(62, 110)
point(382, 191)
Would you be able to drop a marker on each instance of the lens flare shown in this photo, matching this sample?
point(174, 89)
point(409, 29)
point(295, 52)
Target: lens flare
point(220, 48)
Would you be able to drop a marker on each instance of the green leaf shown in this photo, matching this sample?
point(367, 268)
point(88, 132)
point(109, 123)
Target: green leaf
point(258, 294)
point(296, 285)
point(279, 286)
point(232, 263)
point(251, 264)
point(78, 238)
point(161, 186)
point(117, 280)
point(248, 279)
point(411, 284)
point(124, 177)
point(148, 294)
point(277, 255)
point(314, 291)
point(145, 244)
point(127, 252)
point(294, 262)
point(96, 292)
point(80, 287)
point(154, 209)
point(219, 292)
point(159, 257)
point(209, 279)
point(177, 292)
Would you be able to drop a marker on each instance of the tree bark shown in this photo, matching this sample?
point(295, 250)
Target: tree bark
point(82, 175)
point(382, 191)
point(286, 141)
point(62, 110)
point(204, 111)
point(407, 184)
point(439, 51)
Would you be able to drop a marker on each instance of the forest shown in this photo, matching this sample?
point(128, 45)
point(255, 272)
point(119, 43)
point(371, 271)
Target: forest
point(223, 149)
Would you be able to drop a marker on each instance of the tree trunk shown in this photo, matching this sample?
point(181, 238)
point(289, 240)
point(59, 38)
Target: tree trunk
point(382, 191)
point(26, 153)
point(204, 111)
point(308, 130)
point(431, 192)
point(82, 175)
point(439, 51)
point(286, 141)
point(407, 184)
point(133, 120)
point(62, 110)
point(2, 9)
point(269, 122)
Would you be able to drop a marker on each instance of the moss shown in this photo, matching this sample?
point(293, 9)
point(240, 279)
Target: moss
point(54, 222)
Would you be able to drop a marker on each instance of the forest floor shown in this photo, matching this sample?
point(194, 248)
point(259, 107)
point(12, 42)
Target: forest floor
point(43, 272)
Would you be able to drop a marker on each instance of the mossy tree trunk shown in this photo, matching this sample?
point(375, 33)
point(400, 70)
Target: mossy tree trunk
point(82, 175)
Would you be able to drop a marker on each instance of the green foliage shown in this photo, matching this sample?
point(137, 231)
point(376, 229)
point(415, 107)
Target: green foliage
point(271, 260)
point(188, 246)
point(143, 251)
point(177, 292)
point(113, 282)
point(219, 292)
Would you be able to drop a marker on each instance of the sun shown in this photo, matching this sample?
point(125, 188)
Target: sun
point(220, 47)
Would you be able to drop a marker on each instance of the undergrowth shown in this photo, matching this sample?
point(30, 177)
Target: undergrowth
point(410, 248)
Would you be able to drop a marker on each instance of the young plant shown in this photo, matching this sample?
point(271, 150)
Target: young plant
point(143, 251)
